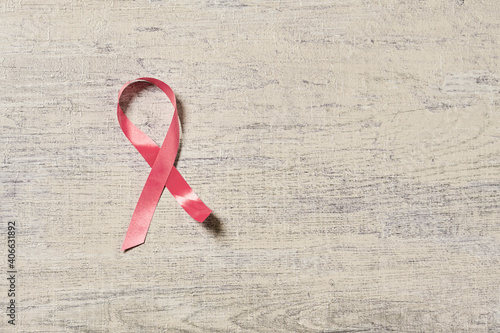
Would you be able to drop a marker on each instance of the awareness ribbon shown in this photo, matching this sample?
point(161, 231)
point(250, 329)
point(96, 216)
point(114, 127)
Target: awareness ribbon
point(163, 173)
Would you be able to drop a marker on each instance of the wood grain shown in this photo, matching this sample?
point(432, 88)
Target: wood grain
point(350, 151)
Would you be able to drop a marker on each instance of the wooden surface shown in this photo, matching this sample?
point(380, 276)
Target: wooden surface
point(350, 151)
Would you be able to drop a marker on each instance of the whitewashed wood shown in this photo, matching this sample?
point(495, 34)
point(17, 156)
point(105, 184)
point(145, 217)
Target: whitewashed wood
point(350, 151)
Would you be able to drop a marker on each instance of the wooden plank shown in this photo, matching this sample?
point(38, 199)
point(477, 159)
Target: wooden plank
point(349, 150)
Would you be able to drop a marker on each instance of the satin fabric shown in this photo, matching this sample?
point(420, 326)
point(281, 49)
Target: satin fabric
point(163, 173)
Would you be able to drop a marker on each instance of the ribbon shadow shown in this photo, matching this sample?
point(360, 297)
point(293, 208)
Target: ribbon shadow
point(214, 225)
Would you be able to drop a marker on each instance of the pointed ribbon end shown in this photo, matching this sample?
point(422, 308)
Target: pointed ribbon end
point(129, 243)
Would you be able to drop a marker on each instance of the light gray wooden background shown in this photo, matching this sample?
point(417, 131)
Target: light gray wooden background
point(350, 151)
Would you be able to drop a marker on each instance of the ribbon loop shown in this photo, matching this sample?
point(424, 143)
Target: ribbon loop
point(163, 172)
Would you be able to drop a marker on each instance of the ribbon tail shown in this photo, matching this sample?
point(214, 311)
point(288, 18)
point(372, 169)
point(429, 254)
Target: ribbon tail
point(185, 196)
point(146, 206)
point(132, 240)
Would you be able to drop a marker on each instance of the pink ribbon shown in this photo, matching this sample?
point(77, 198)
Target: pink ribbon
point(163, 173)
